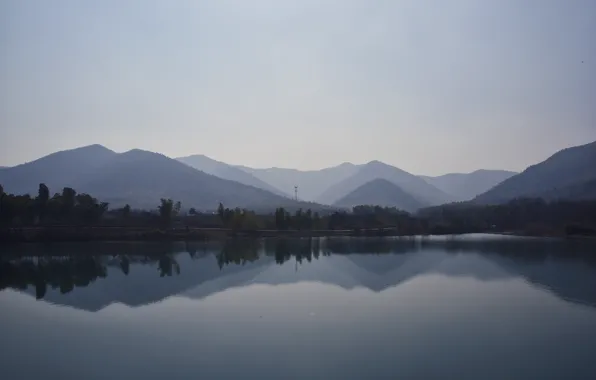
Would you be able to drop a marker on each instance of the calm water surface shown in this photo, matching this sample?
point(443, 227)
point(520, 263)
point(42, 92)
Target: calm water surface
point(467, 308)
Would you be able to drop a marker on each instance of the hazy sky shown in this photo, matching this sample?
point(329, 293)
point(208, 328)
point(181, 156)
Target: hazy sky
point(429, 86)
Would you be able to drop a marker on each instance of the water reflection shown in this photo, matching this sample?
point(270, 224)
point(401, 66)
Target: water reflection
point(92, 276)
point(465, 308)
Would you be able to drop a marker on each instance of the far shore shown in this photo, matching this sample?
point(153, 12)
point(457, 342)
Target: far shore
point(116, 233)
point(76, 233)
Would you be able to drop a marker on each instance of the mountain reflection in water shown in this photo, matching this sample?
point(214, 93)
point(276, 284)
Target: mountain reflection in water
point(94, 276)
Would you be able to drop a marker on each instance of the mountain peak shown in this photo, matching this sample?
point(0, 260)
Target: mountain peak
point(376, 163)
point(93, 148)
point(141, 153)
point(198, 156)
point(380, 192)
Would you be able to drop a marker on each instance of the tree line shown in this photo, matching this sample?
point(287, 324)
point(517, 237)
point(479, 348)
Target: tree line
point(65, 207)
point(533, 216)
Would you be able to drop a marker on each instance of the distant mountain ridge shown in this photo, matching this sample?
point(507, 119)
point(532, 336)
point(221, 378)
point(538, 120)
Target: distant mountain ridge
point(198, 181)
point(225, 171)
point(567, 174)
point(466, 186)
point(422, 191)
point(139, 178)
point(380, 192)
point(311, 183)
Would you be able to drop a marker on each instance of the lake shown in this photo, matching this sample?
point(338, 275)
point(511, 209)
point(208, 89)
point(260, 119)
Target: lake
point(468, 307)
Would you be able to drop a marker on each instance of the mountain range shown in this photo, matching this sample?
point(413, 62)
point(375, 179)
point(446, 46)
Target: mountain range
point(568, 174)
point(140, 178)
point(425, 193)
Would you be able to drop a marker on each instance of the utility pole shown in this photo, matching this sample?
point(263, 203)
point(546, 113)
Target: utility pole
point(296, 192)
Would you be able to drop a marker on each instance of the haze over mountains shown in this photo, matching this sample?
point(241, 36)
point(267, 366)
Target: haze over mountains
point(465, 186)
point(311, 183)
point(140, 178)
point(325, 185)
point(425, 193)
point(225, 171)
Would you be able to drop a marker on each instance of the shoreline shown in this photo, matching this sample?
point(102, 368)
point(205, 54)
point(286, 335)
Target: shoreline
point(127, 234)
point(93, 234)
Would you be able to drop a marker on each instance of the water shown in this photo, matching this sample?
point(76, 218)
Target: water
point(469, 308)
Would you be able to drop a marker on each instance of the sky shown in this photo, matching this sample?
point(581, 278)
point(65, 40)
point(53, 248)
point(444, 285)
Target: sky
point(429, 86)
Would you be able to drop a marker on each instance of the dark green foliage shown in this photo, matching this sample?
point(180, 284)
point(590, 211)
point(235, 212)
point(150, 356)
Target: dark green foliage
point(1, 199)
point(529, 216)
point(221, 211)
point(17, 210)
point(534, 216)
point(239, 219)
point(166, 212)
point(88, 210)
point(282, 219)
point(43, 197)
point(68, 201)
point(67, 207)
point(126, 211)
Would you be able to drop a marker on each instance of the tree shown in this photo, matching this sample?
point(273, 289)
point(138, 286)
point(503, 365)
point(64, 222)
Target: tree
point(282, 219)
point(101, 209)
point(228, 217)
point(221, 212)
point(125, 265)
point(17, 209)
point(298, 219)
point(166, 211)
point(1, 200)
point(88, 210)
point(43, 193)
point(126, 211)
point(250, 221)
point(68, 199)
point(43, 197)
point(237, 220)
point(316, 221)
point(192, 211)
point(308, 219)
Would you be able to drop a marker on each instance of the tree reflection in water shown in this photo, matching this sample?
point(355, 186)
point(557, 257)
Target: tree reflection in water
point(75, 266)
